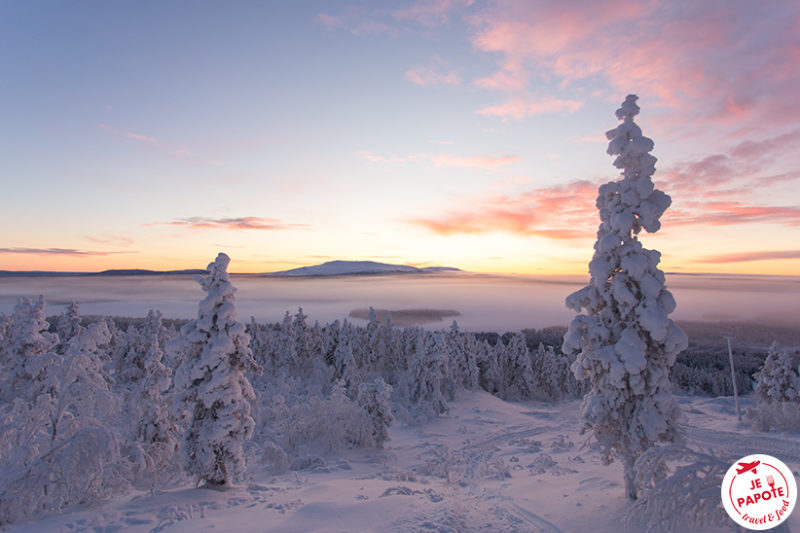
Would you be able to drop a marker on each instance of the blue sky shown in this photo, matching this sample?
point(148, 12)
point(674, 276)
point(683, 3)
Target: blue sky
point(155, 134)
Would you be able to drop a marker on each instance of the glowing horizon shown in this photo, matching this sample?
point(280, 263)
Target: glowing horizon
point(459, 132)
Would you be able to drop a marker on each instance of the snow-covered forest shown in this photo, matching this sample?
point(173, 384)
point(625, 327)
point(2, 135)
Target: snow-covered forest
point(94, 410)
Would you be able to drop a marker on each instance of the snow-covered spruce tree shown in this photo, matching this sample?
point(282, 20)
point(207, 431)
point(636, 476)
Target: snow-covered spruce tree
point(777, 393)
point(156, 431)
point(28, 342)
point(343, 361)
point(424, 377)
point(213, 392)
point(374, 398)
point(625, 340)
point(69, 326)
point(519, 374)
point(777, 381)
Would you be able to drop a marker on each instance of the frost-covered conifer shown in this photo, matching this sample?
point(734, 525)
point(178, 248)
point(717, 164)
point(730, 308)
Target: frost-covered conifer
point(69, 326)
point(424, 378)
point(464, 350)
point(28, 342)
point(519, 376)
point(491, 375)
point(213, 391)
point(777, 381)
point(343, 361)
point(625, 340)
point(374, 398)
point(156, 431)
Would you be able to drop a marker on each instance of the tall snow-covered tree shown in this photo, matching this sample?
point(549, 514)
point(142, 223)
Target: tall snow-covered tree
point(625, 340)
point(213, 392)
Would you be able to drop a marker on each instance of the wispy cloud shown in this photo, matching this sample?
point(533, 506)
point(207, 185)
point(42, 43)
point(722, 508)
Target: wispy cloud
point(752, 256)
point(115, 240)
point(129, 135)
point(436, 72)
point(731, 212)
point(445, 160)
point(373, 158)
point(235, 223)
point(59, 251)
point(431, 12)
point(519, 108)
point(749, 164)
point(330, 22)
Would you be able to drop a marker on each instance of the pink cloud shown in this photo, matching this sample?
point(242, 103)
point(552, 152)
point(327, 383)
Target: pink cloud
point(139, 137)
point(436, 72)
point(753, 256)
point(330, 22)
point(715, 61)
point(519, 108)
point(747, 169)
point(724, 213)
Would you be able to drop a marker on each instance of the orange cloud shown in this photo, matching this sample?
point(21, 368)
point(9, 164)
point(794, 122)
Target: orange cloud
point(58, 251)
point(753, 256)
point(559, 212)
point(238, 223)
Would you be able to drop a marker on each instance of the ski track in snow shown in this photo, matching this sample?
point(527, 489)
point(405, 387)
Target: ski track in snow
point(737, 445)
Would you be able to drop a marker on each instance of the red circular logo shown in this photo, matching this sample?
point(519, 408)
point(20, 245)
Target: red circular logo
point(759, 492)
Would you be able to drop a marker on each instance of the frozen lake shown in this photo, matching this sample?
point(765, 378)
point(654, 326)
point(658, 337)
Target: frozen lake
point(485, 302)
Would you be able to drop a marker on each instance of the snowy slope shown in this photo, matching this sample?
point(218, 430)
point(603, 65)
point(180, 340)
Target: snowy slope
point(487, 466)
point(340, 268)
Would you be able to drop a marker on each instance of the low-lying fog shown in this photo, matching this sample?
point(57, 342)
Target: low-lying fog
point(485, 302)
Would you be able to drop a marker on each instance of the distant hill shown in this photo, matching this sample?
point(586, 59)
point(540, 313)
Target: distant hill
point(344, 268)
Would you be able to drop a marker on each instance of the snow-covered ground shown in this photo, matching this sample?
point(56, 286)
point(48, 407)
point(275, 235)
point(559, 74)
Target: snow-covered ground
point(488, 465)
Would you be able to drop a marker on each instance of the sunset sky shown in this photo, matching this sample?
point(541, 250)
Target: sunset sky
point(155, 134)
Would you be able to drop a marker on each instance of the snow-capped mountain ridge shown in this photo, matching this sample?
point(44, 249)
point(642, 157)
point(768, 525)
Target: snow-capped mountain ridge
point(342, 268)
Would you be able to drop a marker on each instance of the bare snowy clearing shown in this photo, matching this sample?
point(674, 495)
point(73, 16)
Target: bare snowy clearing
point(489, 465)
